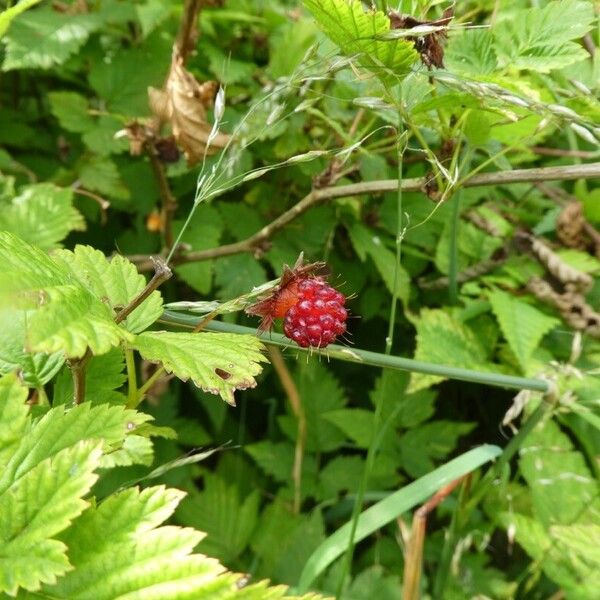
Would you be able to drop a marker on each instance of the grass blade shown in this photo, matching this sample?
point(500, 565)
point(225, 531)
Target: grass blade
point(390, 508)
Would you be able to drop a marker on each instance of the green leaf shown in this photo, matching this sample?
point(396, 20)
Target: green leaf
point(65, 316)
point(445, 340)
point(42, 214)
point(356, 423)
point(368, 243)
point(355, 31)
point(421, 445)
point(71, 110)
point(116, 282)
point(523, 325)
point(14, 416)
point(320, 393)
point(45, 37)
point(471, 52)
point(123, 82)
point(100, 174)
point(72, 320)
point(220, 512)
point(34, 508)
point(562, 487)
point(387, 510)
point(541, 39)
point(35, 370)
point(203, 232)
point(218, 363)
point(284, 541)
point(6, 16)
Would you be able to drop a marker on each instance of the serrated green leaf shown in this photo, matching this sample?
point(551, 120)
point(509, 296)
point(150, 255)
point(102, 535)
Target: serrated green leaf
point(356, 423)
point(14, 416)
point(35, 370)
point(123, 82)
point(523, 325)
point(36, 506)
point(219, 363)
point(421, 445)
point(443, 339)
point(65, 316)
point(71, 322)
point(541, 39)
point(471, 52)
point(284, 541)
point(100, 174)
point(355, 31)
point(45, 37)
point(562, 487)
point(42, 214)
point(71, 110)
point(115, 281)
point(227, 519)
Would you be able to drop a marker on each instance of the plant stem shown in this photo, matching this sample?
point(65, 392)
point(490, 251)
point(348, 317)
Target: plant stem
point(374, 445)
point(161, 274)
point(131, 377)
point(160, 371)
point(365, 357)
point(315, 197)
point(77, 367)
point(169, 203)
point(296, 404)
point(454, 235)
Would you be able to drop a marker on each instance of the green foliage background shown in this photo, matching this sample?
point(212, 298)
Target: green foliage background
point(314, 90)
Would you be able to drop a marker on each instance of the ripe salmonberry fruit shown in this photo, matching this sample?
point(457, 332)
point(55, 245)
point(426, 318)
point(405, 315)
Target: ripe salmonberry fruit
point(313, 311)
point(319, 315)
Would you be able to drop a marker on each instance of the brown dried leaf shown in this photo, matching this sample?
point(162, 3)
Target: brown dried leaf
point(182, 104)
point(570, 226)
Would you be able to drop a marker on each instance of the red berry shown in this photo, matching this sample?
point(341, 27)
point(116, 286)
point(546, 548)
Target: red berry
point(318, 316)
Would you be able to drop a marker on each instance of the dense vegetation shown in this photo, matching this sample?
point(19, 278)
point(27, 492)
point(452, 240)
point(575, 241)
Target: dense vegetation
point(160, 163)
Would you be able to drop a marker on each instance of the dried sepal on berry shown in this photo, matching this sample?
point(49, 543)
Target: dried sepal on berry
point(285, 295)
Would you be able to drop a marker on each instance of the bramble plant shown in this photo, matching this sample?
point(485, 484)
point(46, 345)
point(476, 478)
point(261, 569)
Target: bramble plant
point(418, 410)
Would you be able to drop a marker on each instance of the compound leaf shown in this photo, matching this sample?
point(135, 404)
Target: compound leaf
point(541, 39)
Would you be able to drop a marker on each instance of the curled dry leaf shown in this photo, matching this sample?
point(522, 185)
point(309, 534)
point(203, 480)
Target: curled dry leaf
point(183, 105)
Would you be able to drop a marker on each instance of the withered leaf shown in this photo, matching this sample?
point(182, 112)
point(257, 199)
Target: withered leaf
point(183, 105)
point(429, 46)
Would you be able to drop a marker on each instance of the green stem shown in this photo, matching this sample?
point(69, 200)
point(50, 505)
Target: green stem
point(180, 234)
point(375, 442)
point(454, 236)
point(160, 371)
point(131, 378)
point(365, 357)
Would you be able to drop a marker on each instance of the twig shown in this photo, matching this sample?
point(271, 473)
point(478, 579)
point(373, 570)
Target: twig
point(102, 202)
point(296, 404)
point(414, 553)
point(161, 274)
point(186, 37)
point(169, 203)
point(585, 154)
point(257, 243)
